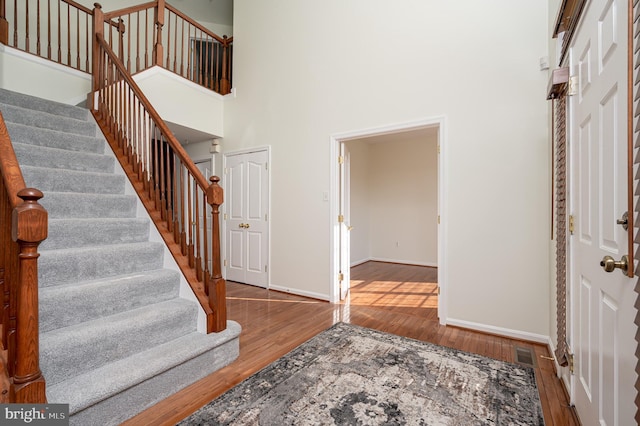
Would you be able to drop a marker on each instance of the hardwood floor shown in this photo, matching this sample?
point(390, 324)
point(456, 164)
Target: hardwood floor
point(398, 299)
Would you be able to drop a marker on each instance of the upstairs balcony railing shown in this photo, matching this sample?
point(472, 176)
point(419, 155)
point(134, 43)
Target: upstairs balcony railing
point(146, 35)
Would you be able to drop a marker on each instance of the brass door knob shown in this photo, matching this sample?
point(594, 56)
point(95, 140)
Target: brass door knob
point(609, 264)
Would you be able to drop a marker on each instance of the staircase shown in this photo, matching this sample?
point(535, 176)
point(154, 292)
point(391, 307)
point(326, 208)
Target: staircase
point(115, 335)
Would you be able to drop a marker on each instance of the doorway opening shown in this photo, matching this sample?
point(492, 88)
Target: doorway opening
point(387, 201)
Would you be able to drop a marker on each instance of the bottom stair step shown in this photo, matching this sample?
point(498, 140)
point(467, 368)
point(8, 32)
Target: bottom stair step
point(77, 349)
point(95, 299)
point(120, 390)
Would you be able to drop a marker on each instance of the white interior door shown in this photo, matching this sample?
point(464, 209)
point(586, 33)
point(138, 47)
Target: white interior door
point(603, 331)
point(345, 228)
point(247, 239)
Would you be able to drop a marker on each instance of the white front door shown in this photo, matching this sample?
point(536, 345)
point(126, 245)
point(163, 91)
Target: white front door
point(246, 201)
point(603, 331)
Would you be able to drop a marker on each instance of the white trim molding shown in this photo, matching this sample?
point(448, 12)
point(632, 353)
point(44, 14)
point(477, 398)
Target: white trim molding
point(500, 331)
point(313, 295)
point(405, 262)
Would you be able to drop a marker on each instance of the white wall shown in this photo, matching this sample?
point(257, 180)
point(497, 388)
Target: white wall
point(403, 179)
point(24, 73)
point(182, 102)
point(307, 70)
point(394, 199)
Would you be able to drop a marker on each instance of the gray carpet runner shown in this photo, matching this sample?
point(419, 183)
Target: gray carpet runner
point(115, 337)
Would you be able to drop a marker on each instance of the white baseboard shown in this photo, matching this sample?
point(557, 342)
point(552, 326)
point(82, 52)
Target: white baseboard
point(405, 262)
point(506, 332)
point(323, 297)
point(552, 349)
point(359, 262)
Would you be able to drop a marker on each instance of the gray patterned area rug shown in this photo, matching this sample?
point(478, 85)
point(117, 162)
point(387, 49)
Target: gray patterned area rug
point(350, 375)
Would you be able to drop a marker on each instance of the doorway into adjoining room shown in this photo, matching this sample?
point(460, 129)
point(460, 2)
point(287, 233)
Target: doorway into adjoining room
point(388, 198)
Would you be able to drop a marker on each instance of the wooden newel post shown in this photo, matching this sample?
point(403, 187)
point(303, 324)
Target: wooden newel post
point(217, 284)
point(4, 24)
point(98, 28)
point(29, 229)
point(157, 49)
point(224, 78)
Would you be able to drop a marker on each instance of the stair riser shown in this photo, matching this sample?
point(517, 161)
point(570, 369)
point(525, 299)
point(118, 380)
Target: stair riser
point(54, 139)
point(73, 181)
point(82, 233)
point(29, 102)
point(57, 267)
point(69, 205)
point(82, 349)
point(108, 297)
point(45, 120)
point(33, 155)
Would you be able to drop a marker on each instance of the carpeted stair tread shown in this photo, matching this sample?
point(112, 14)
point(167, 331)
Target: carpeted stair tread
point(69, 233)
point(56, 267)
point(54, 139)
point(115, 335)
point(38, 104)
point(45, 120)
point(91, 300)
point(123, 374)
point(70, 351)
point(34, 155)
point(62, 205)
point(61, 180)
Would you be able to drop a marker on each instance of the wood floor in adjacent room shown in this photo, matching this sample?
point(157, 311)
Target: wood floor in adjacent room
point(399, 299)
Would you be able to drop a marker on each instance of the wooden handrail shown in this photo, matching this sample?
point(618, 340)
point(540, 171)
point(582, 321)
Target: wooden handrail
point(199, 26)
point(108, 16)
point(171, 187)
point(23, 226)
point(78, 6)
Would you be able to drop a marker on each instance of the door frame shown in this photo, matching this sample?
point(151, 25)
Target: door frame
point(345, 230)
point(223, 228)
point(334, 200)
